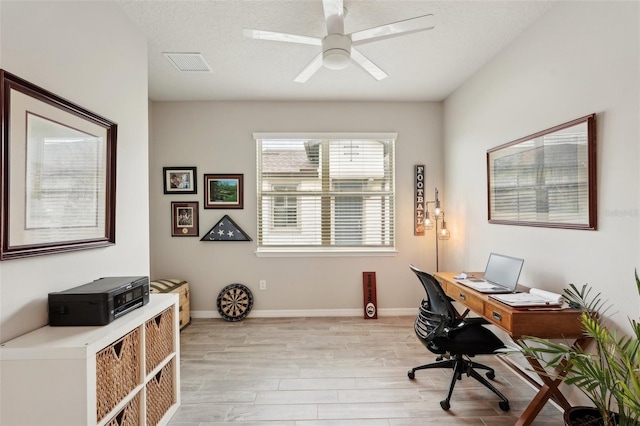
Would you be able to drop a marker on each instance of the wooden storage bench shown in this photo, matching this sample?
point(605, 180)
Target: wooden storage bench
point(181, 287)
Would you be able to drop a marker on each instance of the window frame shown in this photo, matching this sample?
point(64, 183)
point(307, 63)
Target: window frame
point(274, 222)
point(323, 250)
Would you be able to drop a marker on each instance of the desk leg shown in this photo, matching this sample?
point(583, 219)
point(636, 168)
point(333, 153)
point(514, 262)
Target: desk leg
point(548, 390)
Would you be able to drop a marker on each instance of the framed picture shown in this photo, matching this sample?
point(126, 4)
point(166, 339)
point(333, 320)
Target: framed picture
point(184, 219)
point(547, 179)
point(179, 180)
point(58, 186)
point(223, 191)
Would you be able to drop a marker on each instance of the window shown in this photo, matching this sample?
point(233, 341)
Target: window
point(285, 206)
point(326, 194)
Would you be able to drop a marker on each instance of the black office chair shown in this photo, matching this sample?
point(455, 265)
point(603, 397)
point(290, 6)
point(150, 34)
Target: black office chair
point(444, 332)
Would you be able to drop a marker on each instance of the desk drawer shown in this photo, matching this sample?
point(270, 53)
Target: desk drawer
point(498, 315)
point(465, 297)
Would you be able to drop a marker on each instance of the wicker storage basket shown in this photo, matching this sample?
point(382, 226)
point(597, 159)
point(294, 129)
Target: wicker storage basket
point(158, 339)
point(175, 285)
point(117, 372)
point(129, 415)
point(160, 394)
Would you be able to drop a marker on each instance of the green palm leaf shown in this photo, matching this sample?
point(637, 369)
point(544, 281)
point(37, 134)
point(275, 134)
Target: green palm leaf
point(609, 373)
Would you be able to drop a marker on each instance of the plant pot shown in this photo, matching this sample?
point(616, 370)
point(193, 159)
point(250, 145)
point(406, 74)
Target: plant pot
point(585, 416)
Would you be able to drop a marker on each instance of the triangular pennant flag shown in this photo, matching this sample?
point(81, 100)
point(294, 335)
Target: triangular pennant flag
point(226, 230)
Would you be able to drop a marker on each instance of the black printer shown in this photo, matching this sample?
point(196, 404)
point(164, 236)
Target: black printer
point(98, 302)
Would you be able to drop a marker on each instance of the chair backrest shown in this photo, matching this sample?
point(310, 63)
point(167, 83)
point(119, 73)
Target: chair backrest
point(428, 325)
point(435, 313)
point(438, 302)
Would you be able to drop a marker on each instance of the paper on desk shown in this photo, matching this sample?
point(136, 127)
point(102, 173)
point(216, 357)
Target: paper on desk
point(535, 297)
point(548, 295)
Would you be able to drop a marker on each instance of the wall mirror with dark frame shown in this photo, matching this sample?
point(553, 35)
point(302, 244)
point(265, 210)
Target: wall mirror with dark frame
point(58, 180)
point(547, 179)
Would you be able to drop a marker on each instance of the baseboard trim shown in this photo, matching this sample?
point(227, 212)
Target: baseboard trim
point(294, 313)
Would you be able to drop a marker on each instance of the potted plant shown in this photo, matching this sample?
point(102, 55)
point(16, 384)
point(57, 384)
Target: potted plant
point(609, 375)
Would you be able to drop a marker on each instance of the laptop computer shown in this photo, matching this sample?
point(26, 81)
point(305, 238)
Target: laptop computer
point(500, 275)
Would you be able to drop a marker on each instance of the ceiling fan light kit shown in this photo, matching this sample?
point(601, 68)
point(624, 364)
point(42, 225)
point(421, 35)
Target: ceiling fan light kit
point(337, 50)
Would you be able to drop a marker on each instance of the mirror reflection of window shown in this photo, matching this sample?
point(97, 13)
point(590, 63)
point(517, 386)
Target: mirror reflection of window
point(65, 187)
point(544, 179)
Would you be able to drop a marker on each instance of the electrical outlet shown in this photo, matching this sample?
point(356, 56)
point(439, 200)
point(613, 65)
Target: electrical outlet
point(263, 284)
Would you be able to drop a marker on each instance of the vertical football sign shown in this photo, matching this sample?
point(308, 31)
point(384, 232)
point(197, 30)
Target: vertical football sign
point(369, 290)
point(419, 205)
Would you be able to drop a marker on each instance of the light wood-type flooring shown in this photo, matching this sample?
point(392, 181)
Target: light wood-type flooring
point(331, 372)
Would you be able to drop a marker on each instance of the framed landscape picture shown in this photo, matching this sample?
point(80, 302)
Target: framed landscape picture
point(179, 180)
point(184, 219)
point(223, 191)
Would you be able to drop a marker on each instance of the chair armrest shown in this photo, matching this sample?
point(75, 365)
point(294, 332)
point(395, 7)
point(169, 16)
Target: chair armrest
point(461, 324)
point(475, 320)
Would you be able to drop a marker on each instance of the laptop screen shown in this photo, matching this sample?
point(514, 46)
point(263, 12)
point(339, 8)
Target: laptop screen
point(503, 270)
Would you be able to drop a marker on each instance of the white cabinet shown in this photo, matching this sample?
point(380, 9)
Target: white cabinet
point(123, 373)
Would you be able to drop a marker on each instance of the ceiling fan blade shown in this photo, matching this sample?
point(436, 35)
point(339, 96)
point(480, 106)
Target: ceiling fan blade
point(334, 15)
point(408, 26)
point(368, 66)
point(275, 36)
point(310, 69)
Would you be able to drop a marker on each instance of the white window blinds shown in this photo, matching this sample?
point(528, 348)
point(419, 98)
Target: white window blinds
point(326, 194)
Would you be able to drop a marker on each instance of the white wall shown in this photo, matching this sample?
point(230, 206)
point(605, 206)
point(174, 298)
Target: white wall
point(553, 73)
point(579, 58)
point(92, 55)
point(216, 137)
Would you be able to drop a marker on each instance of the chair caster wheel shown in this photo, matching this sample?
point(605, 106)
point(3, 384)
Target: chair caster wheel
point(411, 374)
point(491, 375)
point(504, 405)
point(445, 405)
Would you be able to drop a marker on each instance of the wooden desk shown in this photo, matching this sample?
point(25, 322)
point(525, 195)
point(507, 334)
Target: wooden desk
point(545, 323)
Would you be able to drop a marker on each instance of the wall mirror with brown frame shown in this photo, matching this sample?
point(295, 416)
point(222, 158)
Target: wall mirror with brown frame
point(58, 180)
point(547, 179)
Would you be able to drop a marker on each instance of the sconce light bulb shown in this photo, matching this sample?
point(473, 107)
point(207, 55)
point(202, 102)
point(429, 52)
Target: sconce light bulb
point(428, 224)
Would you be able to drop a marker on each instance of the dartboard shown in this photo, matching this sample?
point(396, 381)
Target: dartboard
point(234, 302)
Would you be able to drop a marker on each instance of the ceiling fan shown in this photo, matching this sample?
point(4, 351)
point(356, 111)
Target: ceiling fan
point(338, 48)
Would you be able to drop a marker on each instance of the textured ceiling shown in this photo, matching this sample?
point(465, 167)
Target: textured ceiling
point(425, 66)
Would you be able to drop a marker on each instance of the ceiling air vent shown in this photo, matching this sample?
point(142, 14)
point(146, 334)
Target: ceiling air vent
point(188, 62)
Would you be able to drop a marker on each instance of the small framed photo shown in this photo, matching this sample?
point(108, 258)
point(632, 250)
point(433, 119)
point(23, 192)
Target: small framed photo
point(179, 180)
point(223, 191)
point(184, 219)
